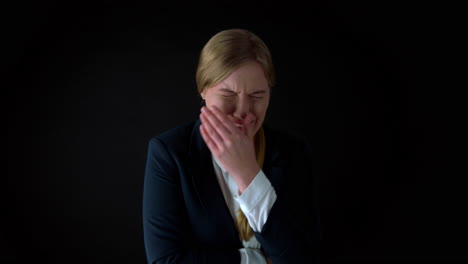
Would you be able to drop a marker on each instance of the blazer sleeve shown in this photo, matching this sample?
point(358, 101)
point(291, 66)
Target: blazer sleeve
point(291, 233)
point(166, 228)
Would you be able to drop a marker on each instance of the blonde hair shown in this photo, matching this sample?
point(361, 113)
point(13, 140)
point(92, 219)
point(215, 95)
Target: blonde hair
point(228, 50)
point(222, 54)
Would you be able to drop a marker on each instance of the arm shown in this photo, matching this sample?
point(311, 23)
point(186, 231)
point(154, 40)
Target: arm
point(256, 201)
point(291, 232)
point(166, 229)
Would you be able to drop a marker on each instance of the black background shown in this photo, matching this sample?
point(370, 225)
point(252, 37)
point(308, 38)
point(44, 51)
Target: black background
point(87, 85)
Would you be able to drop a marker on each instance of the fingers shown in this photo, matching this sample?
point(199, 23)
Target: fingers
point(217, 129)
point(248, 120)
point(214, 138)
point(224, 123)
point(209, 142)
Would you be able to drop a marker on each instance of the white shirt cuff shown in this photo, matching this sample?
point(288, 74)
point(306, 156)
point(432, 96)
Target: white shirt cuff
point(256, 201)
point(252, 256)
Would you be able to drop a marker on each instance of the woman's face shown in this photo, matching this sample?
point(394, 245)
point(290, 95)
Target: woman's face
point(245, 91)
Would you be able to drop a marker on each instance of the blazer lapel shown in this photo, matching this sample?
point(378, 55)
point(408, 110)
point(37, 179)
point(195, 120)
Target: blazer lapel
point(206, 184)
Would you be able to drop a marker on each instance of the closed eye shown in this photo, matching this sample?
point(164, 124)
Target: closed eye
point(234, 94)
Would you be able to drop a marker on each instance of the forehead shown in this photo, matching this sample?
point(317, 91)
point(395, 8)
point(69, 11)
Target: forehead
point(247, 77)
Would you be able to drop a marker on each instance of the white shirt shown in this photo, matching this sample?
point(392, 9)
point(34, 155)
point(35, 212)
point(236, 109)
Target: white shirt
point(255, 202)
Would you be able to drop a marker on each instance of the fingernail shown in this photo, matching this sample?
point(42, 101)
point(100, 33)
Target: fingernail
point(203, 109)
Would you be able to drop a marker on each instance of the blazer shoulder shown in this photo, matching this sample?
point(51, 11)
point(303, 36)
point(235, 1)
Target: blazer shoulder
point(177, 138)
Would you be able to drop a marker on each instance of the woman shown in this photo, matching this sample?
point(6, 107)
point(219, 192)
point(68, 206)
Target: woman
point(226, 188)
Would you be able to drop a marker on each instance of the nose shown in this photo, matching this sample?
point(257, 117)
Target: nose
point(242, 108)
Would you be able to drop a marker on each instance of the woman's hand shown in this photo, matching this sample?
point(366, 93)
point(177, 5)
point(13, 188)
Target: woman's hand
point(232, 147)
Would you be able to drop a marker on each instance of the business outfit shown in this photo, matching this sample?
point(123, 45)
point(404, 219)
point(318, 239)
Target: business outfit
point(255, 202)
point(187, 217)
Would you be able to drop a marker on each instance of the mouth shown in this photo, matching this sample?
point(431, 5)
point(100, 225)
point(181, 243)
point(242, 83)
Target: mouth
point(244, 127)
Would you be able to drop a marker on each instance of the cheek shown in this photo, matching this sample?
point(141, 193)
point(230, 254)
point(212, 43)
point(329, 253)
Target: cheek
point(260, 108)
point(224, 105)
point(227, 105)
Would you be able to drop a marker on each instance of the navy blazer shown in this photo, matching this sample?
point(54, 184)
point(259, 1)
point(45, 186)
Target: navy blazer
point(185, 216)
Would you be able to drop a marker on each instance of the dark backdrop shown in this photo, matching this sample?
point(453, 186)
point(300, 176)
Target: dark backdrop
point(87, 85)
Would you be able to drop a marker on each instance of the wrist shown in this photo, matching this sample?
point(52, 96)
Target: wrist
point(246, 178)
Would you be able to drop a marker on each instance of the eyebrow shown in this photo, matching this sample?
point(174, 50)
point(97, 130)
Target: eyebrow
point(231, 91)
